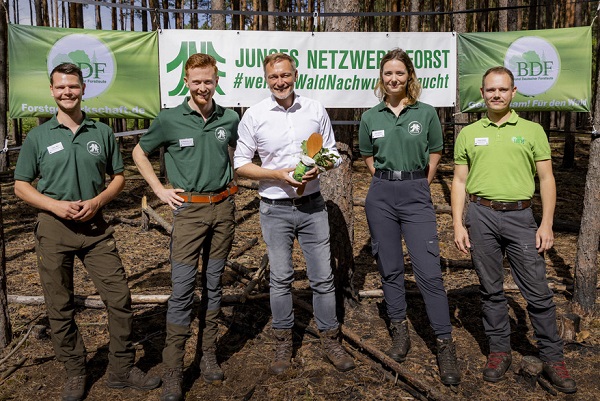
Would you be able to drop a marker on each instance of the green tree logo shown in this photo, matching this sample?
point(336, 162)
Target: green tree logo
point(185, 51)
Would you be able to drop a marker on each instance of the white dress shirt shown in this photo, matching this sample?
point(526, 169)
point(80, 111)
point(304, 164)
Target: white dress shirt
point(277, 135)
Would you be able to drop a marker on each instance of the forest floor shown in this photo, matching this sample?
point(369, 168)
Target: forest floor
point(246, 343)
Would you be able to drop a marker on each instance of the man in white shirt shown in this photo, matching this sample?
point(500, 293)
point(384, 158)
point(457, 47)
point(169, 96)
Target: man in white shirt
point(275, 128)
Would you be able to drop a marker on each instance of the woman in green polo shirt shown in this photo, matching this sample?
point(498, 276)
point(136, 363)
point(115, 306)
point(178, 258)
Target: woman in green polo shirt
point(401, 143)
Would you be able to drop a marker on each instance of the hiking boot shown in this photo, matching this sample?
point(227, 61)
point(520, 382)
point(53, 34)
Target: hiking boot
point(135, 378)
point(496, 366)
point(446, 359)
point(559, 376)
point(172, 381)
point(400, 340)
point(334, 351)
point(283, 351)
point(74, 388)
point(209, 368)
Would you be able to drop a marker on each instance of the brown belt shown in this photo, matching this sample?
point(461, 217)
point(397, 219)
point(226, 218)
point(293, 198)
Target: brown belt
point(193, 197)
point(507, 206)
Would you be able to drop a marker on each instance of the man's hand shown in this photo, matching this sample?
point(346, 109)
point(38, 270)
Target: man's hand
point(170, 197)
point(88, 209)
point(544, 239)
point(461, 239)
point(284, 175)
point(65, 209)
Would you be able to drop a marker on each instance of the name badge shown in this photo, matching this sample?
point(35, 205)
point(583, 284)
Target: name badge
point(378, 134)
point(185, 142)
point(57, 147)
point(482, 141)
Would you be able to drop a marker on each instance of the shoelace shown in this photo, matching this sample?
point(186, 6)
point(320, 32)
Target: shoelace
point(282, 350)
point(447, 355)
point(210, 360)
point(171, 379)
point(336, 348)
point(561, 369)
point(495, 359)
point(399, 337)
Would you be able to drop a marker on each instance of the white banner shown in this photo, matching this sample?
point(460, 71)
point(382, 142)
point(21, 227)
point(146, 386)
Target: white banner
point(340, 69)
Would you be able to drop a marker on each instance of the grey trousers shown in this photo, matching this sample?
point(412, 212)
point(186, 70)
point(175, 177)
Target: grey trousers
point(496, 233)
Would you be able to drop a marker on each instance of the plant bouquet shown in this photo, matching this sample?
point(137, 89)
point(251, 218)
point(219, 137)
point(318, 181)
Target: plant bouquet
point(313, 154)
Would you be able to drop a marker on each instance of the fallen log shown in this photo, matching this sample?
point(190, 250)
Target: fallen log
point(245, 183)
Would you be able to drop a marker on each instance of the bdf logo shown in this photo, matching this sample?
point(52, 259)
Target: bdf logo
point(95, 59)
point(535, 64)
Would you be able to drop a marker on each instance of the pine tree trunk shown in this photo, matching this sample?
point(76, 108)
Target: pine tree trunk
point(5, 329)
point(218, 20)
point(337, 184)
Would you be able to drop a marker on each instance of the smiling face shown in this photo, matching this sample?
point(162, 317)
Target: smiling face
point(281, 77)
point(498, 91)
point(67, 91)
point(394, 76)
point(202, 82)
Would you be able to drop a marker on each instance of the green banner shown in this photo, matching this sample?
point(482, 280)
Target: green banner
point(552, 68)
point(120, 70)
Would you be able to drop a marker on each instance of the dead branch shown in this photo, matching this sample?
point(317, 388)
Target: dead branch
point(11, 353)
point(247, 245)
point(257, 277)
point(429, 392)
point(159, 219)
point(12, 369)
point(239, 269)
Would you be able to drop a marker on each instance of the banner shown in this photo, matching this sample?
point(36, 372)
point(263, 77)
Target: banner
point(340, 69)
point(552, 68)
point(120, 70)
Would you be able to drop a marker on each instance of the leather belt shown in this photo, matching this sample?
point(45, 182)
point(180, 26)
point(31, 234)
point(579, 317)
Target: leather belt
point(506, 206)
point(291, 201)
point(194, 197)
point(400, 175)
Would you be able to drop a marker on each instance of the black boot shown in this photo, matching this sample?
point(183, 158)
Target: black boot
point(446, 358)
point(400, 340)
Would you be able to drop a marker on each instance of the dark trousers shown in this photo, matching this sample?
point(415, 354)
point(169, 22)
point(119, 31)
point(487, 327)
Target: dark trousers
point(397, 209)
point(197, 228)
point(57, 243)
point(496, 233)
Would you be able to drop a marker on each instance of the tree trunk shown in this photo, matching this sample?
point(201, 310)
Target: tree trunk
point(5, 329)
point(271, 18)
point(414, 19)
point(460, 26)
point(337, 184)
point(586, 260)
point(218, 20)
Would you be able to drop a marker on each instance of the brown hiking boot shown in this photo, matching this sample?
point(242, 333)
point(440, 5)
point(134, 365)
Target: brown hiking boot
point(135, 378)
point(496, 366)
point(283, 351)
point(74, 388)
point(172, 385)
point(400, 340)
point(559, 376)
point(334, 351)
point(446, 358)
point(209, 368)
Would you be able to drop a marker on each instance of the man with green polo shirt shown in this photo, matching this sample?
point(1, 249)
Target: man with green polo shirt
point(199, 137)
point(72, 154)
point(496, 159)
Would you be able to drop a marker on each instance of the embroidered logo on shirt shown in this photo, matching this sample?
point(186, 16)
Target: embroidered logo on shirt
point(221, 134)
point(93, 148)
point(415, 128)
point(518, 139)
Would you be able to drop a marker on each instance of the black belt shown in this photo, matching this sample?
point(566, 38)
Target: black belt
point(291, 201)
point(506, 206)
point(400, 175)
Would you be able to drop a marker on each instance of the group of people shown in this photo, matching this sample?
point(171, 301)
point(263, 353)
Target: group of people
point(207, 146)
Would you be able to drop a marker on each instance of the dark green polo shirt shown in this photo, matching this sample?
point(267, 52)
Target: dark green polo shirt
point(196, 157)
point(403, 142)
point(70, 166)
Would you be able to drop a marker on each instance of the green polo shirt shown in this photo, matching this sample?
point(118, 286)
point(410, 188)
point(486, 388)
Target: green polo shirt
point(196, 156)
point(501, 159)
point(403, 142)
point(70, 166)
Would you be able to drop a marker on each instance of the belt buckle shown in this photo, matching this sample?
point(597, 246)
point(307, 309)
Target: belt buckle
point(297, 201)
